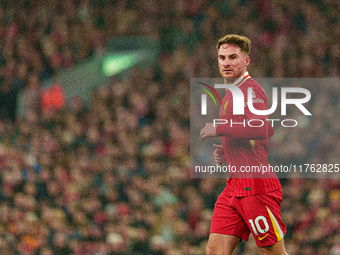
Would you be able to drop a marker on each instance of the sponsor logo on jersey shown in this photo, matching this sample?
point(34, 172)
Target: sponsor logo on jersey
point(257, 100)
point(225, 108)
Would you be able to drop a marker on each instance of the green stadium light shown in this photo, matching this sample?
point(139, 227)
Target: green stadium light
point(114, 64)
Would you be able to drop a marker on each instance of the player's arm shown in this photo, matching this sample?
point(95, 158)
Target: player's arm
point(257, 130)
point(243, 130)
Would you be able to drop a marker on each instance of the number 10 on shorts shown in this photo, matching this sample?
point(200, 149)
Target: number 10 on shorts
point(256, 225)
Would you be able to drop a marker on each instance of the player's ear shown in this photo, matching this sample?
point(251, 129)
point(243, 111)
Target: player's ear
point(246, 61)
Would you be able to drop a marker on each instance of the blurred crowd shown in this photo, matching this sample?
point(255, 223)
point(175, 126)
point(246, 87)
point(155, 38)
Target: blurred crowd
point(112, 177)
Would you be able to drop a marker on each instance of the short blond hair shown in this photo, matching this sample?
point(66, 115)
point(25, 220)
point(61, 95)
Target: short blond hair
point(238, 40)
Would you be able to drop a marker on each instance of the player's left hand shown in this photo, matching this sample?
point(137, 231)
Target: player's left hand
point(208, 131)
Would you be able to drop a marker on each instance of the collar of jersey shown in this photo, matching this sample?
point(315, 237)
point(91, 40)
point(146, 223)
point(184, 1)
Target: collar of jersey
point(241, 80)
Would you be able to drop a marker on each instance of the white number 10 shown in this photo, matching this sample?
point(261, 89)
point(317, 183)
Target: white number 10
point(257, 226)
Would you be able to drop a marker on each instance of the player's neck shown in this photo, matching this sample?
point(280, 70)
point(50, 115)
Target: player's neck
point(237, 81)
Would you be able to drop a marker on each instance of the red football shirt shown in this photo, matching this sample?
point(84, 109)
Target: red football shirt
point(245, 146)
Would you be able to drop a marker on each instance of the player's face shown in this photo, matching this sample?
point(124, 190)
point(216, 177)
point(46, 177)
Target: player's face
point(232, 62)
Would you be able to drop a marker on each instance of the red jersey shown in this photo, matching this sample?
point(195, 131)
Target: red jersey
point(245, 145)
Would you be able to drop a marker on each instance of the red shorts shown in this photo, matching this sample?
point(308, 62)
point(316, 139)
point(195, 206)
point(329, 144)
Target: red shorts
point(258, 214)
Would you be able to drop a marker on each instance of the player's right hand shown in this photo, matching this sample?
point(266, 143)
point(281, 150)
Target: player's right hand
point(219, 154)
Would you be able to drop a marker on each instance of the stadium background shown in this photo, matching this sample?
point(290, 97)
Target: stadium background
point(108, 174)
